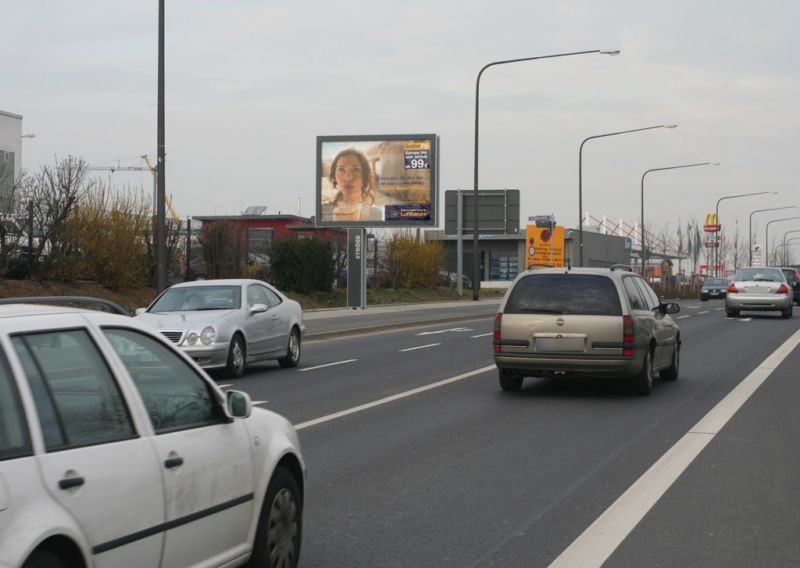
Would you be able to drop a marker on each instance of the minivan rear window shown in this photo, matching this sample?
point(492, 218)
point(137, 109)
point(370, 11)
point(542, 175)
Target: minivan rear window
point(576, 294)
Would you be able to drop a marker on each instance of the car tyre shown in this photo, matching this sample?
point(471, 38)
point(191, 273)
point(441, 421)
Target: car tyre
point(509, 380)
point(787, 313)
point(732, 313)
point(703, 299)
point(292, 357)
point(43, 559)
point(237, 358)
point(671, 372)
point(280, 526)
point(642, 383)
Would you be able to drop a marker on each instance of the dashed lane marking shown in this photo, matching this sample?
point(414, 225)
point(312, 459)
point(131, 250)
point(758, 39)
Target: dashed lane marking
point(420, 347)
point(684, 317)
point(327, 365)
point(703, 312)
point(481, 335)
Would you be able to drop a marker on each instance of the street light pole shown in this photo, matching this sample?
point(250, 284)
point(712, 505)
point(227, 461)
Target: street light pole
point(161, 238)
point(750, 228)
point(784, 244)
point(580, 178)
point(767, 235)
point(475, 253)
point(641, 202)
point(716, 217)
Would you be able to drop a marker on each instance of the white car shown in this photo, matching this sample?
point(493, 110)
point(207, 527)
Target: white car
point(116, 450)
point(226, 324)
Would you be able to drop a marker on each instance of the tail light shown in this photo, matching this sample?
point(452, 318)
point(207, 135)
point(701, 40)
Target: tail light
point(782, 289)
point(732, 289)
point(628, 336)
point(496, 333)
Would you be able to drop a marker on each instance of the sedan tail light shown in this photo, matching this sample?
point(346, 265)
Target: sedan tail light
point(782, 289)
point(496, 333)
point(732, 289)
point(628, 336)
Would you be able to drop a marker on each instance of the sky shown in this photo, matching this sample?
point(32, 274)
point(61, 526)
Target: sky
point(250, 84)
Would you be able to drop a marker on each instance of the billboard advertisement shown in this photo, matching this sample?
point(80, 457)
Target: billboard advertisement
point(377, 180)
point(544, 247)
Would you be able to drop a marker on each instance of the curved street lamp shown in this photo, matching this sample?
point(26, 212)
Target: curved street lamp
point(716, 217)
point(476, 282)
point(784, 244)
point(767, 236)
point(750, 228)
point(641, 219)
point(580, 177)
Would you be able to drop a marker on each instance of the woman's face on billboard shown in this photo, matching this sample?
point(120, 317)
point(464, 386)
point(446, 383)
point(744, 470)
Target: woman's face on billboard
point(349, 177)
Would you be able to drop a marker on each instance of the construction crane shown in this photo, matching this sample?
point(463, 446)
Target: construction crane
point(149, 168)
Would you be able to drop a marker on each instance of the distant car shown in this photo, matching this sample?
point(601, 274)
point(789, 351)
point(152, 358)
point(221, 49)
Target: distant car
point(761, 289)
point(793, 279)
point(585, 321)
point(117, 450)
point(228, 324)
point(714, 288)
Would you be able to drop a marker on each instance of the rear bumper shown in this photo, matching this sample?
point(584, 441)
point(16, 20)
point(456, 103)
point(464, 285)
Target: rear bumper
point(758, 302)
point(587, 365)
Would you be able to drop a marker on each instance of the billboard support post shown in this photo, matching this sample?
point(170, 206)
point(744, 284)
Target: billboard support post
point(460, 244)
point(357, 268)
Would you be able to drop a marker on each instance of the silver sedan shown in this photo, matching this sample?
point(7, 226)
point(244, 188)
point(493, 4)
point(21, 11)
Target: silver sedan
point(759, 288)
point(227, 324)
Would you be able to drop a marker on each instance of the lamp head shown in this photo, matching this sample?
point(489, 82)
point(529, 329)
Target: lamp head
point(671, 126)
point(610, 51)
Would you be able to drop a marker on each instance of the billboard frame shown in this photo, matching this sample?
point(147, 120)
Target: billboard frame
point(433, 139)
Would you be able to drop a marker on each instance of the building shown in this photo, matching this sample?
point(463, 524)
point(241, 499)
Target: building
point(10, 154)
point(502, 257)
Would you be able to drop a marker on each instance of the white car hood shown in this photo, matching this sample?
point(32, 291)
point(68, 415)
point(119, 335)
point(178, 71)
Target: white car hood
point(183, 320)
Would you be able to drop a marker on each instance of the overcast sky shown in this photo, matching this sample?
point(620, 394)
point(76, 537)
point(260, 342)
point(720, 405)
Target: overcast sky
point(250, 84)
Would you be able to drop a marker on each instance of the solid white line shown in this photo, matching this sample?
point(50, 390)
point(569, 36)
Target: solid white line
point(683, 317)
point(703, 312)
point(327, 365)
point(392, 398)
point(482, 335)
point(598, 542)
point(420, 347)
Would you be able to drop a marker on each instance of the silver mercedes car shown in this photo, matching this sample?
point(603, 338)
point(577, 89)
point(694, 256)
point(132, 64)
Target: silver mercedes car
point(761, 289)
point(227, 324)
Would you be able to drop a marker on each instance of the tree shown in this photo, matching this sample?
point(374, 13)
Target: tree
point(223, 249)
point(302, 265)
point(412, 262)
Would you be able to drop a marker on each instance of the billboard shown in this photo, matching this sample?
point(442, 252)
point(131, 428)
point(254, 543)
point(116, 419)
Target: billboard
point(544, 247)
point(377, 180)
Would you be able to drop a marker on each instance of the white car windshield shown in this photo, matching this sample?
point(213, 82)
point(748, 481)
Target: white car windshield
point(198, 298)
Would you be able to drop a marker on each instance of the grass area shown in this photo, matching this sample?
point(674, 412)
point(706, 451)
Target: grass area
point(141, 297)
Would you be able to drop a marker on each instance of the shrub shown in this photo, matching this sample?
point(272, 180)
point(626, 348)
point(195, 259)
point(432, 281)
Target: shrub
point(302, 265)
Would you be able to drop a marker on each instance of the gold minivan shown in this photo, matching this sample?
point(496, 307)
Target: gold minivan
point(585, 321)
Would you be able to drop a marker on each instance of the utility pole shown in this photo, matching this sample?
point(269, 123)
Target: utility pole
point(161, 245)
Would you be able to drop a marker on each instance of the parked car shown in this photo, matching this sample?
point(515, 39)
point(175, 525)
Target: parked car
point(793, 279)
point(760, 289)
point(713, 288)
point(585, 321)
point(228, 324)
point(116, 449)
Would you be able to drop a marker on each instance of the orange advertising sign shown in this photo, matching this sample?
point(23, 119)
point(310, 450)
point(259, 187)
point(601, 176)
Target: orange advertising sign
point(544, 247)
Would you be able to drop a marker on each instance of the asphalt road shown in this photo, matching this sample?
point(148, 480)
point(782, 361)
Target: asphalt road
point(417, 458)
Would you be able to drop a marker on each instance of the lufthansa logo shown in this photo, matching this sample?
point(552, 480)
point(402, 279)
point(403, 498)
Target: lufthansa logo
point(560, 321)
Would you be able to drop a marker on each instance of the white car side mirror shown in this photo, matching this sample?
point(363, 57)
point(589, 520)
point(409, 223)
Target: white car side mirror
point(258, 308)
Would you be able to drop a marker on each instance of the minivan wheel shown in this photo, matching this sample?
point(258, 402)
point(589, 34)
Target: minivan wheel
point(642, 384)
point(671, 372)
point(509, 381)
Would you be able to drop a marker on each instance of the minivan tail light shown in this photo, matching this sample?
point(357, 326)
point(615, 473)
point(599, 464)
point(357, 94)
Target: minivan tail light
point(732, 289)
point(782, 289)
point(628, 336)
point(496, 333)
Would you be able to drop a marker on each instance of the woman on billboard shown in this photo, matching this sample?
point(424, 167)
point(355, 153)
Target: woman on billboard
point(354, 181)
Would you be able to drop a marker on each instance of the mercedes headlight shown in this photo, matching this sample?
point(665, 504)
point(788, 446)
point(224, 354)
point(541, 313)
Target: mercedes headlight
point(208, 335)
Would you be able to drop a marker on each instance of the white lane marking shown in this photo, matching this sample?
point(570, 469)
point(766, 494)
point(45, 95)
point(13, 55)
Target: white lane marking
point(703, 312)
point(225, 386)
point(327, 365)
point(718, 309)
point(420, 347)
point(392, 398)
point(482, 335)
point(255, 402)
point(744, 319)
point(684, 317)
point(694, 307)
point(454, 329)
point(598, 542)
